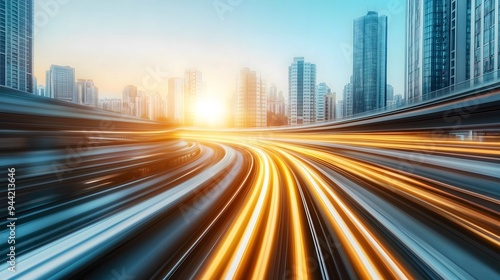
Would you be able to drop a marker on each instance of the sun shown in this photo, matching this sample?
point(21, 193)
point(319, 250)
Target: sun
point(209, 112)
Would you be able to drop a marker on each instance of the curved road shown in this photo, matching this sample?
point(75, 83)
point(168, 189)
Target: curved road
point(261, 206)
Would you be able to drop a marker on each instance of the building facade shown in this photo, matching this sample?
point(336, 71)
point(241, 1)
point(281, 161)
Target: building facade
point(390, 94)
point(113, 104)
point(485, 45)
point(175, 100)
point(16, 45)
point(193, 90)
point(301, 92)
point(322, 90)
point(347, 103)
point(439, 45)
point(330, 104)
point(251, 108)
point(129, 100)
point(369, 62)
point(60, 83)
point(87, 92)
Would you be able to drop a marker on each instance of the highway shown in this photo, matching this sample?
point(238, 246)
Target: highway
point(276, 206)
point(412, 193)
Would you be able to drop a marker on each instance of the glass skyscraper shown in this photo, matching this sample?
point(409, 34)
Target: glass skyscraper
point(60, 83)
point(16, 44)
point(485, 46)
point(438, 45)
point(301, 92)
point(369, 62)
point(251, 109)
point(322, 90)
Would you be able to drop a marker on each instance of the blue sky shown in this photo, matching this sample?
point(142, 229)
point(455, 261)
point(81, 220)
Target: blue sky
point(120, 42)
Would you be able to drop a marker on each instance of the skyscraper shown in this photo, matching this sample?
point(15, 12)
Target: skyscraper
point(193, 89)
point(390, 94)
point(87, 92)
point(275, 101)
point(369, 62)
point(485, 45)
point(322, 90)
point(175, 100)
point(330, 104)
point(129, 100)
point(16, 44)
point(142, 105)
point(339, 114)
point(60, 83)
point(41, 91)
point(301, 92)
point(347, 102)
point(251, 108)
point(438, 52)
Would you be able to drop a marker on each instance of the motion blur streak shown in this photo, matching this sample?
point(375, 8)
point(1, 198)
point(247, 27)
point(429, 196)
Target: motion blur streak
point(397, 209)
point(241, 239)
point(403, 194)
point(357, 254)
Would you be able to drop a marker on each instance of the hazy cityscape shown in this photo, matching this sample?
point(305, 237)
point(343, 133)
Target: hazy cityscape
point(250, 139)
point(261, 103)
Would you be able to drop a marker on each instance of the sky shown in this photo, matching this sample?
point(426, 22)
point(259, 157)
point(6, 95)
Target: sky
point(145, 42)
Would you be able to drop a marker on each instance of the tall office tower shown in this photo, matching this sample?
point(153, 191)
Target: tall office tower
point(369, 62)
point(301, 92)
point(280, 104)
point(339, 114)
point(251, 108)
point(193, 89)
point(16, 45)
point(485, 28)
point(272, 93)
point(390, 94)
point(155, 107)
point(142, 105)
point(438, 52)
point(60, 83)
point(175, 100)
point(129, 100)
point(322, 90)
point(275, 101)
point(347, 102)
point(40, 90)
point(113, 105)
point(330, 104)
point(87, 92)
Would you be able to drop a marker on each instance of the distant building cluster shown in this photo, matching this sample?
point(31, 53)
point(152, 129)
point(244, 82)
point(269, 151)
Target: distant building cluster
point(139, 104)
point(177, 106)
point(60, 84)
point(448, 42)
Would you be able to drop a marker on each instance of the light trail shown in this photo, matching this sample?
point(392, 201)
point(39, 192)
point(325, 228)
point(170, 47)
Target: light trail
point(226, 205)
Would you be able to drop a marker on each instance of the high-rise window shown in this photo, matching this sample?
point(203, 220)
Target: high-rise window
point(16, 44)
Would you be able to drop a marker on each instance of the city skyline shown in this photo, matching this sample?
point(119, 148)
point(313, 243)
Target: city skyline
point(198, 167)
point(150, 49)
